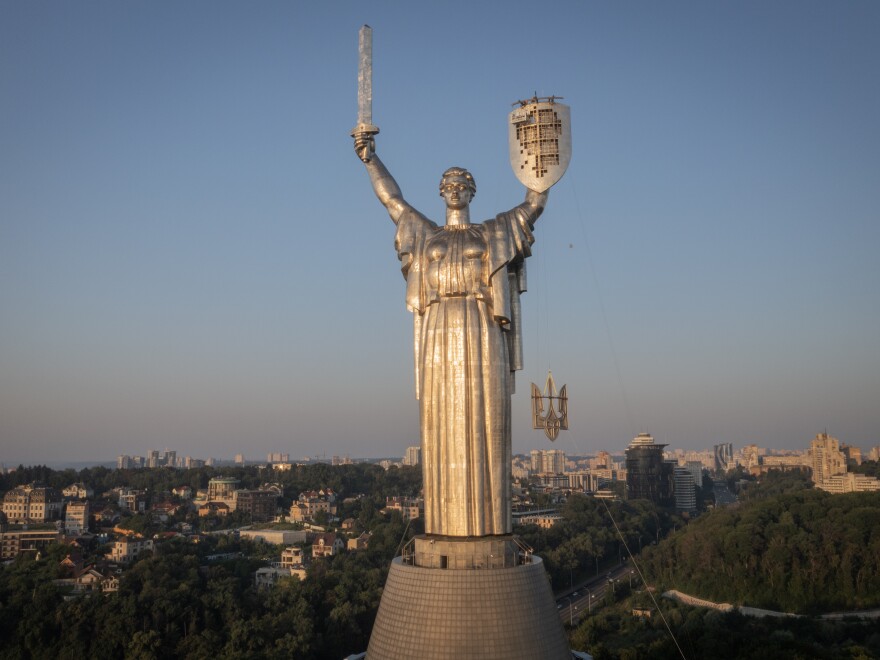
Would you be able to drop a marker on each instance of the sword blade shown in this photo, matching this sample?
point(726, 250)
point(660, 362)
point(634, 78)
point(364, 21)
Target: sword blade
point(365, 75)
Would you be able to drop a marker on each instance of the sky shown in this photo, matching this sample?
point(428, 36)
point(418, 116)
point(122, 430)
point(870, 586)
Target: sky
point(191, 255)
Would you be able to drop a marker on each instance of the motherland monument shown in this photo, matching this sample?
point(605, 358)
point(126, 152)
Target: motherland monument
point(467, 588)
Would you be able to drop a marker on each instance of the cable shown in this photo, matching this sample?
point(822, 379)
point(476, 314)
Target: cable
point(642, 577)
point(623, 395)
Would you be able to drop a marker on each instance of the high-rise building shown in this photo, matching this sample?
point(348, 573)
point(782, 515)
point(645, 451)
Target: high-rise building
point(826, 457)
point(696, 470)
point(153, 458)
point(724, 457)
point(548, 461)
point(648, 475)
point(685, 491)
point(413, 455)
point(170, 458)
point(239, 459)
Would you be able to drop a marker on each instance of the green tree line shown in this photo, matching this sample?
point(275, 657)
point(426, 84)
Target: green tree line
point(786, 547)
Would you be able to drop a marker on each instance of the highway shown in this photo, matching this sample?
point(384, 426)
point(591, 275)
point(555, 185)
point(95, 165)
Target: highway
point(578, 604)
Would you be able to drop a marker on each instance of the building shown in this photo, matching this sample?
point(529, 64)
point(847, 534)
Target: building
point(310, 503)
point(327, 545)
point(275, 536)
point(826, 457)
point(133, 500)
point(362, 542)
point(696, 470)
point(260, 505)
point(542, 520)
point(685, 489)
point(222, 489)
point(220, 509)
point(14, 543)
point(724, 457)
point(410, 507)
point(849, 483)
point(648, 475)
point(183, 492)
point(78, 491)
point(126, 550)
point(33, 503)
point(853, 455)
point(76, 518)
point(548, 461)
point(153, 458)
point(292, 556)
point(413, 456)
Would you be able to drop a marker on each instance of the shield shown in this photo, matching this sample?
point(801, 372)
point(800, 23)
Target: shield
point(540, 141)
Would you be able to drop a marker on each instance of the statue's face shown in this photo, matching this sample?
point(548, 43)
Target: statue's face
point(456, 192)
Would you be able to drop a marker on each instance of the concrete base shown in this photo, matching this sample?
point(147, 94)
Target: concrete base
point(498, 605)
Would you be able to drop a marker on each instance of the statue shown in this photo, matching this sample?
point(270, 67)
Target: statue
point(463, 282)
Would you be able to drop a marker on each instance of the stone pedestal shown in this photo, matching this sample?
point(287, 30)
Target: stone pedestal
point(467, 599)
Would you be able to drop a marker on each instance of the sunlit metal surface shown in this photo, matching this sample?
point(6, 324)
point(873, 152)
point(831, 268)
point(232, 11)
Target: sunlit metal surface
point(463, 282)
point(365, 125)
point(556, 418)
point(539, 138)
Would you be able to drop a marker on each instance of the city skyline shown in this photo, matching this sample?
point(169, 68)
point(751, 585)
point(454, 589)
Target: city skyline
point(174, 180)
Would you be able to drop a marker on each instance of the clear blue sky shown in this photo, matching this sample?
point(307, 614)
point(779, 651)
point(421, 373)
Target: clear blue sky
point(191, 255)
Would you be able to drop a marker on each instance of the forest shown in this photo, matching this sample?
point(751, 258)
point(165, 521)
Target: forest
point(785, 547)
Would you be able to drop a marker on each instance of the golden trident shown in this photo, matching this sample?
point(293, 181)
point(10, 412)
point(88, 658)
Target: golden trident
point(552, 422)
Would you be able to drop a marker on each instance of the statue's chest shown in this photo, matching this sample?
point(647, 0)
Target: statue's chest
point(456, 259)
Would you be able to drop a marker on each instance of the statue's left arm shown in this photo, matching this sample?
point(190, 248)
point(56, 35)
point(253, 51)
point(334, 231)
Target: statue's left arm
point(534, 204)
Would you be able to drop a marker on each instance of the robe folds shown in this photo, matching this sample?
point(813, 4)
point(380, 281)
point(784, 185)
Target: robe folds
point(463, 284)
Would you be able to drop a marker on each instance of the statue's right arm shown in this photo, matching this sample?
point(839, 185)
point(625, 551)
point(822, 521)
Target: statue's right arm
point(384, 185)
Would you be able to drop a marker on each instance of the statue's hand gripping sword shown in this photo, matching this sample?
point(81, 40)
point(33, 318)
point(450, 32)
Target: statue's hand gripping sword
point(365, 127)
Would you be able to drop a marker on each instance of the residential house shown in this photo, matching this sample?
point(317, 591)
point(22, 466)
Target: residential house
point(327, 545)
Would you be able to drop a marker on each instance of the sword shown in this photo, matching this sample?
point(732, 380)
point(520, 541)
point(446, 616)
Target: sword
point(365, 90)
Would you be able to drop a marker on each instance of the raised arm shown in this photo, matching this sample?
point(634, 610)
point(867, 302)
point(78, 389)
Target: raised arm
point(384, 185)
point(534, 204)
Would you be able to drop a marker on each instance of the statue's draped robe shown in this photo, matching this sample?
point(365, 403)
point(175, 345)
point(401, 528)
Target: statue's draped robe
point(463, 285)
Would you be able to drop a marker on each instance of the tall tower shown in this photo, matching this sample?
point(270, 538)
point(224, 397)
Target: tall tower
point(648, 476)
point(826, 457)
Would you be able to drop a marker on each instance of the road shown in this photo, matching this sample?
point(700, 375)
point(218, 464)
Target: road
point(723, 495)
point(571, 608)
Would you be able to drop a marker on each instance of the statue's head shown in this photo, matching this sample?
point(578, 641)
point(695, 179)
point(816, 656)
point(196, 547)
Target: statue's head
point(457, 187)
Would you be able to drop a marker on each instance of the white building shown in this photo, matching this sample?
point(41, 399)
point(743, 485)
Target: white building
point(413, 456)
point(850, 483)
point(76, 518)
point(126, 550)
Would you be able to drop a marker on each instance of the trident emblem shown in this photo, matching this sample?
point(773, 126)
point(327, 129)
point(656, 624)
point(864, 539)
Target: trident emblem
point(556, 418)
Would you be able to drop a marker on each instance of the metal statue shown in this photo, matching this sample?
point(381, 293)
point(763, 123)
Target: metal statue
point(556, 417)
point(463, 283)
